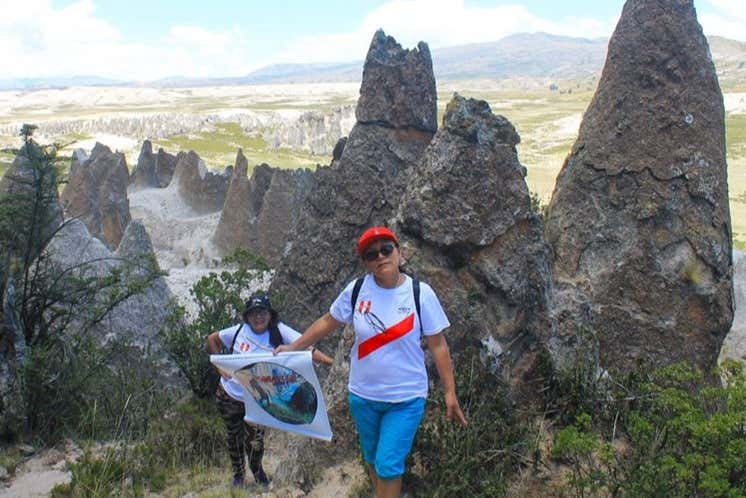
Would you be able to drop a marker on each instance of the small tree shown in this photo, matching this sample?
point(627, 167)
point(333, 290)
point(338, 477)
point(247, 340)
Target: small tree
point(50, 308)
point(219, 298)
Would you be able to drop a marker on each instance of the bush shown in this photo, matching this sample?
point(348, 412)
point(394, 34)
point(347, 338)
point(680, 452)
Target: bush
point(684, 438)
point(451, 460)
point(80, 388)
point(220, 300)
point(190, 434)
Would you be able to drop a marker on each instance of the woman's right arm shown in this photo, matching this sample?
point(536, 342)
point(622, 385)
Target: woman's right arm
point(214, 346)
point(313, 334)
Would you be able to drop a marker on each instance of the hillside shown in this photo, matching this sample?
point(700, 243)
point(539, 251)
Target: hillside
point(533, 56)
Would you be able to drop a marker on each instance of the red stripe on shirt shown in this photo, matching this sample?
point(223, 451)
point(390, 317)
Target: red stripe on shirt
point(390, 334)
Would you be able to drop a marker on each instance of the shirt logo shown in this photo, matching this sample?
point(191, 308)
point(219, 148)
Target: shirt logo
point(364, 306)
point(403, 310)
point(244, 346)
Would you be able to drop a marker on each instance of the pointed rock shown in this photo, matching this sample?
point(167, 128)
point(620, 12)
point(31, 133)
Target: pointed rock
point(260, 213)
point(364, 186)
point(165, 165)
point(201, 189)
point(398, 88)
point(144, 176)
point(96, 192)
point(468, 230)
point(639, 220)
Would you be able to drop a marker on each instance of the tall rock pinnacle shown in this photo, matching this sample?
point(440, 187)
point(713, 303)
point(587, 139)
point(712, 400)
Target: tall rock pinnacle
point(639, 220)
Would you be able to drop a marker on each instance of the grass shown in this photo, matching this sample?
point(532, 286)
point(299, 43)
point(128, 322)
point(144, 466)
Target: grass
point(544, 120)
point(219, 147)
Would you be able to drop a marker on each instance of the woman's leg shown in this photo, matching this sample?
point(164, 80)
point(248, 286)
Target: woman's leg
point(367, 420)
point(398, 427)
point(232, 412)
point(255, 448)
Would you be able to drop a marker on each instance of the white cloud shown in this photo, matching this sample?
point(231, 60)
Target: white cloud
point(440, 23)
point(38, 40)
point(725, 18)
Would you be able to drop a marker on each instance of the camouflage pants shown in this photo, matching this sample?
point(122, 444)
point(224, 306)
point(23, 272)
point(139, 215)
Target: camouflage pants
point(243, 439)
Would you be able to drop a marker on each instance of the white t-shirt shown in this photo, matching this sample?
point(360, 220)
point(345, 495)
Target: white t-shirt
point(389, 366)
point(249, 342)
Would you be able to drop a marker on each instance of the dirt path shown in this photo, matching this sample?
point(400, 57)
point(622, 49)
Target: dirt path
point(39, 474)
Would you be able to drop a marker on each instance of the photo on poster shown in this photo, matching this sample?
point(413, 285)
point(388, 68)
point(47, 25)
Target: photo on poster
point(283, 393)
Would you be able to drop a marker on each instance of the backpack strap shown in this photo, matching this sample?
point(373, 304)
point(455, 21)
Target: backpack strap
point(416, 291)
point(356, 292)
point(233, 342)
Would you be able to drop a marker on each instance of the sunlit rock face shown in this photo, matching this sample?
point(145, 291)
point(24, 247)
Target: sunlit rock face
point(202, 190)
point(469, 230)
point(96, 193)
point(364, 185)
point(260, 213)
point(639, 220)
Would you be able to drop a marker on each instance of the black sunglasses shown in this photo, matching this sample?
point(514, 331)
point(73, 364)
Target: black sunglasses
point(385, 249)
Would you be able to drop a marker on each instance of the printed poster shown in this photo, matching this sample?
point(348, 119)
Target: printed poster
point(280, 391)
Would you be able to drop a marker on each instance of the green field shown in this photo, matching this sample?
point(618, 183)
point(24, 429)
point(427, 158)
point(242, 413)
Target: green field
point(218, 148)
point(546, 121)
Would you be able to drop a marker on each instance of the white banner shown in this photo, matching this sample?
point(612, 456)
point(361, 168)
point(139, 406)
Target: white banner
point(280, 391)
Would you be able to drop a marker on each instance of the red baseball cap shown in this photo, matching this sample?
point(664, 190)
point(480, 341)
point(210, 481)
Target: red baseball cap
point(371, 235)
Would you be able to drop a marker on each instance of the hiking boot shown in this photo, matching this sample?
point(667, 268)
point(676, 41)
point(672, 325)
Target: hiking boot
point(261, 477)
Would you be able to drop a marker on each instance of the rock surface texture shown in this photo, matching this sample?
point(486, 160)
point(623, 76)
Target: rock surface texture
point(139, 318)
point(203, 190)
point(468, 229)
point(639, 220)
point(398, 87)
point(143, 176)
point(364, 186)
point(260, 213)
point(96, 193)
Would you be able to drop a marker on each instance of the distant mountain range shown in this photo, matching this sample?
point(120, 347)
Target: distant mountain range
point(538, 56)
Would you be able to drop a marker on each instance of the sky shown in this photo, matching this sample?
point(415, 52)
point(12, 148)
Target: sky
point(140, 40)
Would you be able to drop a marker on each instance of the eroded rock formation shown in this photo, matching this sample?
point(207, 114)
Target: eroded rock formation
point(152, 170)
point(260, 213)
point(364, 186)
point(96, 193)
point(139, 318)
point(639, 220)
point(470, 232)
point(366, 183)
point(203, 190)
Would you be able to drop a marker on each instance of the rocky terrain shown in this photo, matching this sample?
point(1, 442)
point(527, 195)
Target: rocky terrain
point(639, 220)
point(631, 262)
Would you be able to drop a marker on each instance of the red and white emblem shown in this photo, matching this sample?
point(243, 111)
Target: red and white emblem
point(364, 306)
point(244, 346)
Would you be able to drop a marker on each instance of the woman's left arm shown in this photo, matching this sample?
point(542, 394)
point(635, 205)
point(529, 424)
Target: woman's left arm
point(320, 357)
point(439, 348)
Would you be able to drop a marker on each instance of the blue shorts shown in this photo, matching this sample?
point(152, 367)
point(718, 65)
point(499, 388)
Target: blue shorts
point(386, 431)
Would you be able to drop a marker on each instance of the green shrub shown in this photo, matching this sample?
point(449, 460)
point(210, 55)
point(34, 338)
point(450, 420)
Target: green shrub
point(79, 388)
point(219, 298)
point(186, 435)
point(684, 437)
point(451, 460)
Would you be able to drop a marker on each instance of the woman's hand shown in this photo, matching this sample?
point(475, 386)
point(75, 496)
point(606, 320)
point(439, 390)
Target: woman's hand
point(283, 348)
point(453, 409)
point(442, 357)
point(224, 374)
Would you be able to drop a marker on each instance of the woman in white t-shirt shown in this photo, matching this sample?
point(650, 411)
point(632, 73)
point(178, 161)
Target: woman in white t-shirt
point(260, 332)
point(388, 378)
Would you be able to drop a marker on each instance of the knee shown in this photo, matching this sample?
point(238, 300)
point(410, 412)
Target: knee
point(389, 470)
